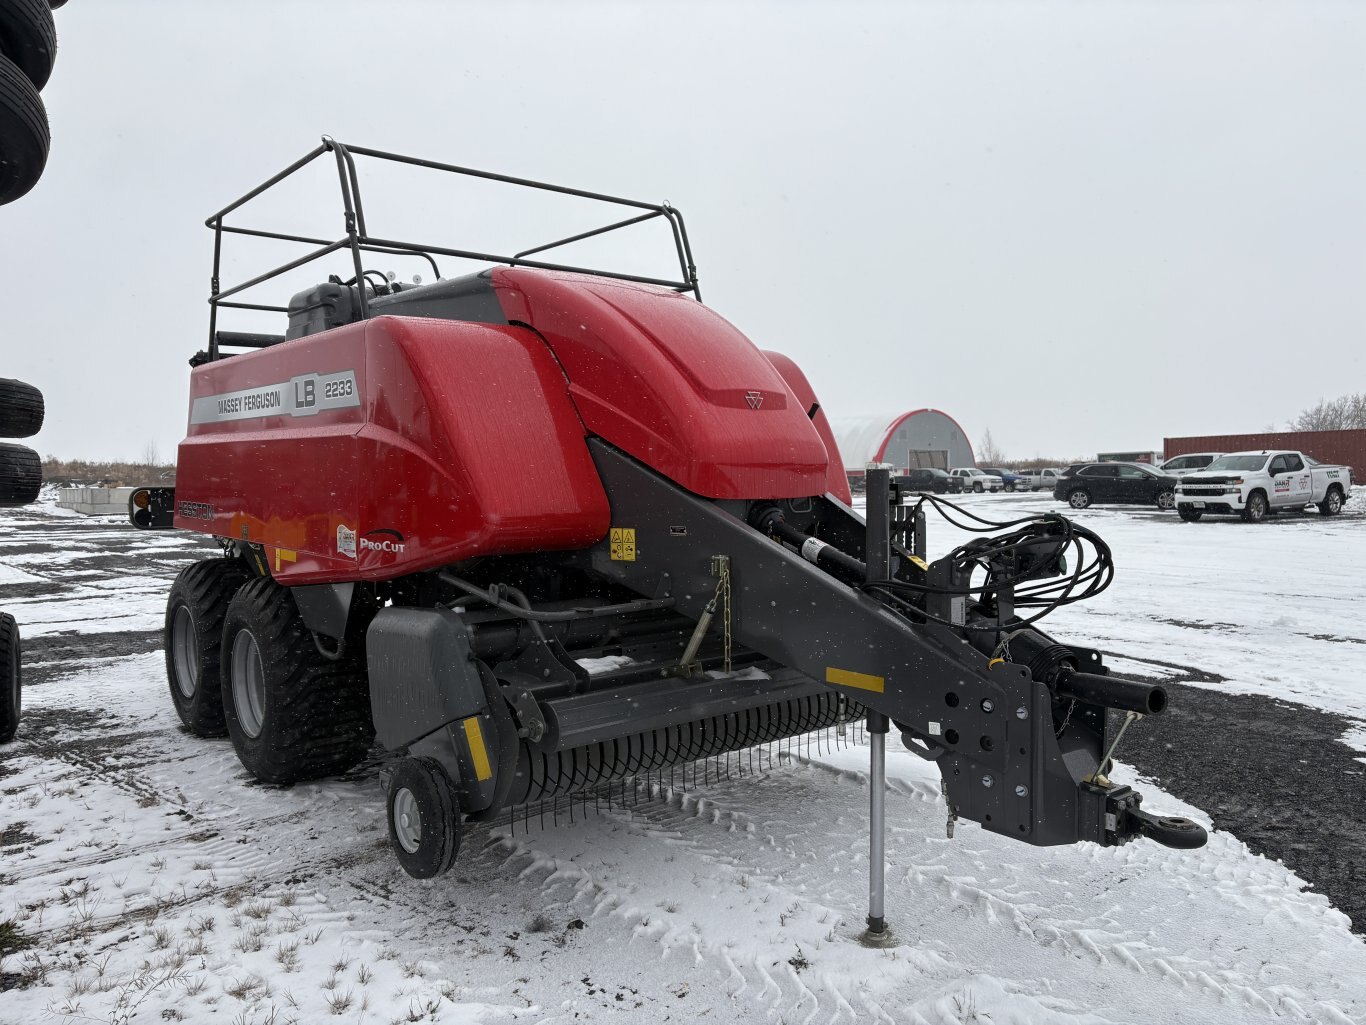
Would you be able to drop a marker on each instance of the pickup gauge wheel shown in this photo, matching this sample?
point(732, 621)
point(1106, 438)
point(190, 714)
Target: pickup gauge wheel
point(1256, 508)
point(1332, 503)
point(193, 637)
point(1079, 499)
point(1165, 500)
point(424, 824)
point(1188, 514)
point(24, 136)
point(11, 698)
point(292, 714)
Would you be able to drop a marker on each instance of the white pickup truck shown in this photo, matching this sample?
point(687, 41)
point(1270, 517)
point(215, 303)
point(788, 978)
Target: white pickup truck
point(1254, 484)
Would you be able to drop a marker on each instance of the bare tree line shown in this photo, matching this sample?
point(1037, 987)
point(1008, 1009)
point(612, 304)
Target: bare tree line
point(1345, 413)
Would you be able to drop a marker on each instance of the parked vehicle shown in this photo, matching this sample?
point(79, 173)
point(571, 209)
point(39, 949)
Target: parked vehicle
point(1255, 484)
point(941, 482)
point(1084, 484)
point(1039, 480)
point(1010, 480)
point(977, 480)
point(1191, 462)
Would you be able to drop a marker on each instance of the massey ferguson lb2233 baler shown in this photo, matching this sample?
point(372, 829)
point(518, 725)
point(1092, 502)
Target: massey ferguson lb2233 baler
point(435, 501)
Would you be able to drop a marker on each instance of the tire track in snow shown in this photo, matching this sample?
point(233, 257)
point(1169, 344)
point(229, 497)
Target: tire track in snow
point(732, 831)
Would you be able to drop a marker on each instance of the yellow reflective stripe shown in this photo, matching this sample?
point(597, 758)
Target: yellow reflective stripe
point(846, 678)
point(480, 754)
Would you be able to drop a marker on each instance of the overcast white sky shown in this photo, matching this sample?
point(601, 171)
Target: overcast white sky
point(1085, 226)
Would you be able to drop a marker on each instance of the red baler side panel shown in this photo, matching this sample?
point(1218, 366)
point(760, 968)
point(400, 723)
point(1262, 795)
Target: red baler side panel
point(836, 480)
point(672, 383)
point(427, 442)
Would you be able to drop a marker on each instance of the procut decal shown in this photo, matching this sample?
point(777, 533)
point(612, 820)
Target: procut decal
point(305, 395)
point(383, 539)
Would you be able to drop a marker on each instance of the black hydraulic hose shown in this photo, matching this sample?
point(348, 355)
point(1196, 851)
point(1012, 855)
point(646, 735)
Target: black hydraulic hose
point(565, 616)
point(814, 550)
point(1107, 692)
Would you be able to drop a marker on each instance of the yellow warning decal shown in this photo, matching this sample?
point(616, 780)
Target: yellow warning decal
point(623, 544)
point(284, 555)
point(480, 754)
point(847, 678)
point(918, 561)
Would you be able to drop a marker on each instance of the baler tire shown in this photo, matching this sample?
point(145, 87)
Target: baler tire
point(1189, 515)
point(21, 476)
point(1256, 508)
point(424, 819)
point(24, 134)
point(201, 592)
point(21, 409)
point(305, 716)
point(1332, 502)
point(11, 678)
point(1079, 498)
point(28, 37)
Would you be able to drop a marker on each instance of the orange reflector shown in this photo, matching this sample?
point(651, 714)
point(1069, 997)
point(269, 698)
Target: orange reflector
point(142, 499)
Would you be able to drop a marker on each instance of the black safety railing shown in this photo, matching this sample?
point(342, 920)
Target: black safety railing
point(358, 239)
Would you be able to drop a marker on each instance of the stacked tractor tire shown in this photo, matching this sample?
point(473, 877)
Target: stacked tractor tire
point(28, 48)
point(21, 477)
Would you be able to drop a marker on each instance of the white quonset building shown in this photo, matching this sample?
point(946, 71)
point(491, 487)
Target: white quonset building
point(922, 437)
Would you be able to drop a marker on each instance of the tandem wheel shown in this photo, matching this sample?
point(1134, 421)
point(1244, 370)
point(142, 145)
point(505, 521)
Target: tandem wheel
point(424, 819)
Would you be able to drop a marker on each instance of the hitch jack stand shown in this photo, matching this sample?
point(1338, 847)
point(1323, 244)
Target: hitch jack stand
point(878, 551)
point(877, 824)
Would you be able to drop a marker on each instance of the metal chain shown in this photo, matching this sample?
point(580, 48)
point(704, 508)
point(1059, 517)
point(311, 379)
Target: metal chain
point(723, 586)
point(1066, 719)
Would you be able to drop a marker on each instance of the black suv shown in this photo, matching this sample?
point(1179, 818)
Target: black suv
point(930, 479)
point(1083, 484)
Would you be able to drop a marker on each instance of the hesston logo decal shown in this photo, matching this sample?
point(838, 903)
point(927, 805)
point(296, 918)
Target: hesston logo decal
point(384, 539)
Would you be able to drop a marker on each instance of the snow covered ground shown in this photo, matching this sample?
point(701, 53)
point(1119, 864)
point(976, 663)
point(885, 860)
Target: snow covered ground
point(157, 882)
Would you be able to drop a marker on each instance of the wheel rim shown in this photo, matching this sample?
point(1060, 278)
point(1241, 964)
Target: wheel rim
point(1257, 507)
point(184, 652)
point(1166, 500)
point(248, 684)
point(1078, 500)
point(1334, 501)
point(407, 820)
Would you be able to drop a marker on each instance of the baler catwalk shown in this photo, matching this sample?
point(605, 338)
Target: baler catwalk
point(436, 501)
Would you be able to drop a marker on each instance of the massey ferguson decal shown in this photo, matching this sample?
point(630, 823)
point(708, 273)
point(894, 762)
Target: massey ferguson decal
point(346, 541)
point(304, 395)
point(383, 540)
